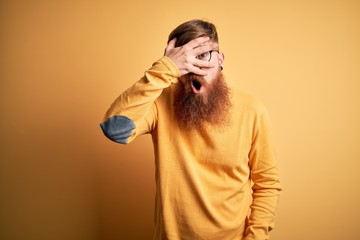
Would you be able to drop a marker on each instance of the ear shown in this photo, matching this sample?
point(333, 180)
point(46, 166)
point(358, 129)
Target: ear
point(221, 60)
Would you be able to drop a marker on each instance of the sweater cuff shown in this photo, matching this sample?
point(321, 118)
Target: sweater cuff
point(172, 68)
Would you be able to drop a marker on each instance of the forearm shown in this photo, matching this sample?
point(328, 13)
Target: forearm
point(266, 191)
point(131, 107)
point(266, 184)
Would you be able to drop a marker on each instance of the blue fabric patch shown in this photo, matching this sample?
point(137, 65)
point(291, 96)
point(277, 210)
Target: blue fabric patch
point(118, 129)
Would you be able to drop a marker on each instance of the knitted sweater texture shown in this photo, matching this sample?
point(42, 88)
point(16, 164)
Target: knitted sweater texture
point(211, 184)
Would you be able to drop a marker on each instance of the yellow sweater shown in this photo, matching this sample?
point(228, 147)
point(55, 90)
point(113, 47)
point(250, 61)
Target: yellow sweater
point(210, 185)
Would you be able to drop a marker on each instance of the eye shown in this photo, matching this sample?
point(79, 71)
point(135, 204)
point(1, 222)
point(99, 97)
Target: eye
point(203, 56)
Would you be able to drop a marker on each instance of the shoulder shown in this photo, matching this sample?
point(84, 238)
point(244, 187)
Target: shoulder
point(250, 108)
point(246, 101)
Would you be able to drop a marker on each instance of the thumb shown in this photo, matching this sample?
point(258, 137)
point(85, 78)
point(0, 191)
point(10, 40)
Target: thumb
point(171, 45)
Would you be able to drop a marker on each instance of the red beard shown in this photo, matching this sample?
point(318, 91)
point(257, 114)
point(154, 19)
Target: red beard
point(195, 110)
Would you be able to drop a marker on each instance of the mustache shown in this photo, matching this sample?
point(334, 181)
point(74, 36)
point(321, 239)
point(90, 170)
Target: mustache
point(192, 76)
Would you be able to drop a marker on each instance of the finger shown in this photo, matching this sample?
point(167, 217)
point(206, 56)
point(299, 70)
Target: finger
point(203, 64)
point(196, 42)
point(197, 71)
point(204, 48)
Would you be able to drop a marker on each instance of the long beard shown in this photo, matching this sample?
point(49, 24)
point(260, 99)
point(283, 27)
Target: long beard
point(195, 111)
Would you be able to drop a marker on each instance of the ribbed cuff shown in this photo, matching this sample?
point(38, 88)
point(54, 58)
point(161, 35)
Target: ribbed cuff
point(171, 66)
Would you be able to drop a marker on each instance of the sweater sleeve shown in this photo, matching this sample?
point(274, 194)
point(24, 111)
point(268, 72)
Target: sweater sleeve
point(266, 185)
point(134, 112)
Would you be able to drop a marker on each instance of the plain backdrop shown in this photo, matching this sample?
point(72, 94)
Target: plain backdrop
point(64, 62)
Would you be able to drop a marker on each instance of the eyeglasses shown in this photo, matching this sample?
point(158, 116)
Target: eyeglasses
point(206, 56)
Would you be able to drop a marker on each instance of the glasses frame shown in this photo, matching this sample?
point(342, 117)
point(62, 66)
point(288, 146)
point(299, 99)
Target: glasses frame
point(210, 52)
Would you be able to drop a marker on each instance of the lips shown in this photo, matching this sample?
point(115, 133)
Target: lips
point(196, 86)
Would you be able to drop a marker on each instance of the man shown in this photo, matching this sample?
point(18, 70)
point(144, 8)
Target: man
point(216, 175)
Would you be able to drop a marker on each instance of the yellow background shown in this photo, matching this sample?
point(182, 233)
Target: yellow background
point(64, 62)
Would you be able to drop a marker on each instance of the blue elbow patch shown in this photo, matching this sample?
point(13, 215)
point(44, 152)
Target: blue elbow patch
point(118, 128)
